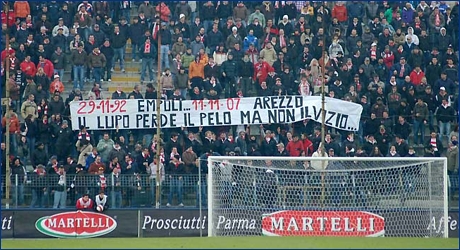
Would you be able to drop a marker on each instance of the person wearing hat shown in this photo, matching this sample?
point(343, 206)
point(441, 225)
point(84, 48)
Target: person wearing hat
point(56, 85)
point(445, 82)
point(60, 26)
point(280, 150)
point(58, 187)
point(233, 38)
point(39, 184)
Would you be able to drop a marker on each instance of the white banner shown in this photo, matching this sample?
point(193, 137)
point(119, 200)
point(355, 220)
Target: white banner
point(141, 114)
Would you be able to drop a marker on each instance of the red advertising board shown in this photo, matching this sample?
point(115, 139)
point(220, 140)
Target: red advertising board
point(323, 223)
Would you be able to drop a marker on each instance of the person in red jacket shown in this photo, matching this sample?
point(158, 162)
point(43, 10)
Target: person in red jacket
point(85, 203)
point(416, 76)
point(307, 145)
point(56, 85)
point(295, 147)
point(340, 12)
point(28, 67)
point(164, 11)
point(11, 17)
point(261, 70)
point(47, 66)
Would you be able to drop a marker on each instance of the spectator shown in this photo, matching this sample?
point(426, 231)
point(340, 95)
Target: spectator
point(176, 171)
point(97, 62)
point(78, 60)
point(445, 115)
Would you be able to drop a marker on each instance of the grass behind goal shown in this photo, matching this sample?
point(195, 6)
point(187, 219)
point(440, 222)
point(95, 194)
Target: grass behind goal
point(233, 243)
point(315, 196)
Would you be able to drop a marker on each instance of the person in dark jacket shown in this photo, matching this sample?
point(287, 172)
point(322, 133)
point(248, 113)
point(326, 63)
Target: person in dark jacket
point(18, 179)
point(135, 32)
point(166, 41)
point(268, 145)
point(281, 150)
point(64, 140)
point(175, 171)
point(229, 71)
point(39, 155)
point(147, 53)
point(56, 106)
point(39, 180)
point(107, 50)
point(246, 74)
point(118, 41)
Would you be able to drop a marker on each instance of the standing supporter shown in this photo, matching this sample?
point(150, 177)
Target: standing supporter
point(78, 59)
point(108, 52)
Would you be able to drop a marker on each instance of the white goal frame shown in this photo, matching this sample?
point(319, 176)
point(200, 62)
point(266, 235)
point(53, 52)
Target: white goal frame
point(212, 159)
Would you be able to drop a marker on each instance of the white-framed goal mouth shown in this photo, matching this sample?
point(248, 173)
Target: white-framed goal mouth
point(327, 196)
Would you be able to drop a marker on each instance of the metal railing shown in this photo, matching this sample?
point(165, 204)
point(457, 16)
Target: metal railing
point(124, 192)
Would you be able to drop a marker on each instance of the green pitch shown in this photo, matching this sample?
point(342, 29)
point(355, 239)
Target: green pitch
point(235, 242)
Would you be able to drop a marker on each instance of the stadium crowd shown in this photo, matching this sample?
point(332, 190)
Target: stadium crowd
point(399, 60)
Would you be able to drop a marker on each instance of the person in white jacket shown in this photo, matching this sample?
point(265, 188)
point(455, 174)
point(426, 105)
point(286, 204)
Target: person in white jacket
point(320, 152)
point(414, 37)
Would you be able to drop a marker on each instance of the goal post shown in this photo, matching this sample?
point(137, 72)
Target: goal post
point(321, 196)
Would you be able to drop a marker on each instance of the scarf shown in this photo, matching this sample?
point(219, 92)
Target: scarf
point(86, 135)
point(102, 181)
point(43, 109)
point(147, 48)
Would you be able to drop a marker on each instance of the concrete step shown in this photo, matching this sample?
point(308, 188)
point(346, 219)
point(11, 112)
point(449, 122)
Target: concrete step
point(126, 78)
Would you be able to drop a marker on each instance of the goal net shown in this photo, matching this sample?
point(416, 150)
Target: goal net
point(362, 197)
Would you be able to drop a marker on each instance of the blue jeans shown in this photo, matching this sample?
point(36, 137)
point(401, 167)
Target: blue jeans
point(60, 198)
point(444, 128)
point(78, 76)
point(175, 186)
point(38, 197)
point(153, 191)
point(207, 24)
point(84, 33)
point(119, 54)
point(183, 93)
point(116, 199)
point(97, 73)
point(430, 120)
point(18, 193)
point(60, 72)
point(147, 63)
point(134, 50)
point(126, 13)
point(164, 56)
point(204, 192)
point(419, 126)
